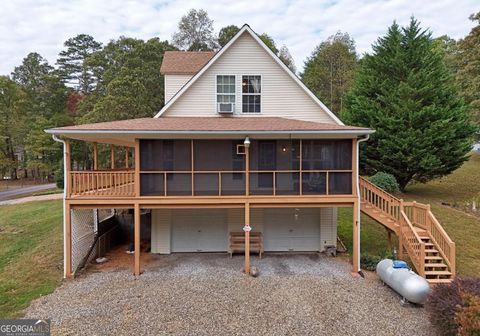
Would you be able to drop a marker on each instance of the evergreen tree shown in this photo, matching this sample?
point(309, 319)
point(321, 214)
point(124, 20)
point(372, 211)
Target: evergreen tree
point(72, 66)
point(406, 93)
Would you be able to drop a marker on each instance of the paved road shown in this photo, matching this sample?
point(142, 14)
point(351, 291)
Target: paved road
point(8, 194)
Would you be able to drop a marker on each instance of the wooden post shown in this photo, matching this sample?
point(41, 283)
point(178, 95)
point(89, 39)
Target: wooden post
point(247, 229)
point(137, 167)
point(247, 169)
point(68, 167)
point(354, 167)
point(95, 156)
point(400, 234)
point(68, 241)
point(127, 153)
point(112, 157)
point(356, 239)
point(136, 216)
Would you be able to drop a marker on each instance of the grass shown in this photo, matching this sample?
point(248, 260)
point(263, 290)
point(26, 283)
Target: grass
point(462, 225)
point(30, 254)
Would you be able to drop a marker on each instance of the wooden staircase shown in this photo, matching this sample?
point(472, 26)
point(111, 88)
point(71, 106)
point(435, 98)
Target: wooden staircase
point(420, 235)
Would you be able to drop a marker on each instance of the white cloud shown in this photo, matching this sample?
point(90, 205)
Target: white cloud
point(43, 25)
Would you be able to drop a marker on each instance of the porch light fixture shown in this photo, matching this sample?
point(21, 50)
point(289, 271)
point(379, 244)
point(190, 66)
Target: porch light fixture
point(246, 143)
point(284, 149)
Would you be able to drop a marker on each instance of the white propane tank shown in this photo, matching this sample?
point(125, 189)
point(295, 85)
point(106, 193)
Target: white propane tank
point(405, 282)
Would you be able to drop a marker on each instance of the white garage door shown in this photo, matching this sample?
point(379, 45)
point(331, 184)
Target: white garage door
point(199, 230)
point(291, 230)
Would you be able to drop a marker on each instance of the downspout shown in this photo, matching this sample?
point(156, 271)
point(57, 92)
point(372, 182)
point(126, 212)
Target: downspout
point(358, 199)
point(57, 139)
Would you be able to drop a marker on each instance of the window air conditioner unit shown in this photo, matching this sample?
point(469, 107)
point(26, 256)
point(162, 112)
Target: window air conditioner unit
point(225, 108)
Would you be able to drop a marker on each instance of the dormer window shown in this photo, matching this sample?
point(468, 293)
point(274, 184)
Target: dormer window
point(225, 93)
point(251, 94)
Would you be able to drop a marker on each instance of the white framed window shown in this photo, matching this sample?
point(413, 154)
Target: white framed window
point(251, 93)
point(226, 95)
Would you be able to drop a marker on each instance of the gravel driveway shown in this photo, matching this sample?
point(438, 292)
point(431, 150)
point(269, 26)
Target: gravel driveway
point(207, 294)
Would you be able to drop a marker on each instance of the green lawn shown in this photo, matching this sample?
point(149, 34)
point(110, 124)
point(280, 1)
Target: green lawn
point(458, 190)
point(30, 254)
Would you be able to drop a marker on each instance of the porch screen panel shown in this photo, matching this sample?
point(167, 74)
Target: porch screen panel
point(261, 183)
point(218, 155)
point(165, 155)
point(233, 184)
point(327, 154)
point(206, 184)
point(287, 183)
point(339, 183)
point(314, 183)
point(152, 184)
point(179, 184)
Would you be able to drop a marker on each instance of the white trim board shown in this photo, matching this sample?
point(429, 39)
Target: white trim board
point(247, 28)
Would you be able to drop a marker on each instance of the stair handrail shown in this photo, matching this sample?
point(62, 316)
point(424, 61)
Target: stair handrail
point(418, 258)
point(443, 242)
point(394, 201)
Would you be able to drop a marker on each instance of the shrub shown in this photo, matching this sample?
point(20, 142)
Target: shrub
point(385, 181)
point(369, 262)
point(59, 176)
point(451, 308)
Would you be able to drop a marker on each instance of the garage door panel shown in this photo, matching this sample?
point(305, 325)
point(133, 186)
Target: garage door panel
point(199, 230)
point(291, 230)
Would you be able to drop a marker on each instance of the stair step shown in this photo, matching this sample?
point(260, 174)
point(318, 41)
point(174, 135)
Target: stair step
point(437, 281)
point(435, 265)
point(433, 258)
point(438, 273)
point(431, 251)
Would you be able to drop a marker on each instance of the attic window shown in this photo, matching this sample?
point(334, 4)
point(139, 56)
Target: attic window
point(226, 91)
point(251, 94)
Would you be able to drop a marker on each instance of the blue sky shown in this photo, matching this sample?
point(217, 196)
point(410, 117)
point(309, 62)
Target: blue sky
point(43, 25)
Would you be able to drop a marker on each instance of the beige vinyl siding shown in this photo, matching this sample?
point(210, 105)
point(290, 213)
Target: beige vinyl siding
point(281, 95)
point(161, 225)
point(328, 227)
point(173, 84)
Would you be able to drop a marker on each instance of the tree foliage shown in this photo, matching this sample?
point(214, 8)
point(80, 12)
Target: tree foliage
point(329, 71)
point(406, 93)
point(195, 32)
point(226, 34)
point(468, 74)
point(72, 66)
point(286, 58)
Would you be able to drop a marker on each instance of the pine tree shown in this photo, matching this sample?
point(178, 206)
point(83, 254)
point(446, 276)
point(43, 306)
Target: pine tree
point(406, 93)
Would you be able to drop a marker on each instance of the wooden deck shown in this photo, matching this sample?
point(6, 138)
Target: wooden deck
point(420, 234)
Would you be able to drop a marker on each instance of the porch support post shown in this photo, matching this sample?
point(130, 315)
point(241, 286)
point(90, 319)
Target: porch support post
point(247, 229)
point(68, 167)
point(136, 216)
point(95, 156)
point(112, 157)
point(356, 238)
point(137, 167)
point(68, 241)
point(127, 152)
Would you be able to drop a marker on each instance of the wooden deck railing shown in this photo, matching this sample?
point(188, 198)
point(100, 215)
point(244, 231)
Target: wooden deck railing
point(421, 216)
point(376, 197)
point(409, 216)
point(413, 243)
point(102, 183)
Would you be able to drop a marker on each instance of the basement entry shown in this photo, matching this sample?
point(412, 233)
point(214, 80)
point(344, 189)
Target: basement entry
point(291, 230)
point(199, 230)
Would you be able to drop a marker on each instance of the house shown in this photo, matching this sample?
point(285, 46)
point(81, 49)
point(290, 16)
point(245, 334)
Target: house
point(242, 158)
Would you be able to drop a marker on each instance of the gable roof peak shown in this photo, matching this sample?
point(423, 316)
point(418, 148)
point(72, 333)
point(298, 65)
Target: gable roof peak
point(246, 28)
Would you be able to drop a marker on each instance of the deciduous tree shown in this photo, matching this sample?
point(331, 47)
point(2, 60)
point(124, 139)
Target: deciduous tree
point(330, 70)
point(195, 32)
